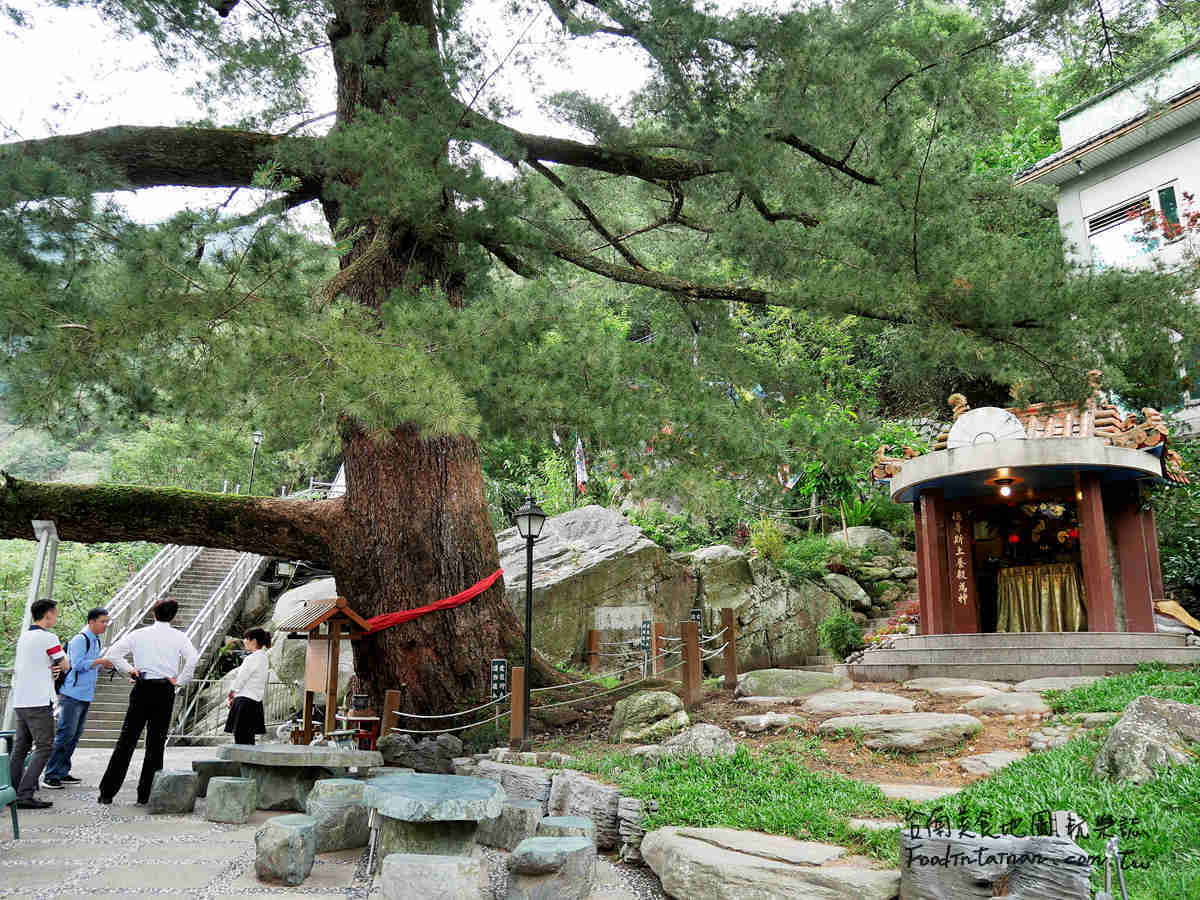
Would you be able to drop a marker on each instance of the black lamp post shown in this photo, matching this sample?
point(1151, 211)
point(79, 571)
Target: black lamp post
point(257, 436)
point(530, 520)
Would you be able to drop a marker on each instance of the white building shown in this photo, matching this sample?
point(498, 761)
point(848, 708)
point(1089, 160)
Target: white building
point(1131, 153)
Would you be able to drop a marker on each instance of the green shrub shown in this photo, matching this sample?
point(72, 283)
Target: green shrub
point(806, 558)
point(840, 634)
point(767, 539)
point(673, 532)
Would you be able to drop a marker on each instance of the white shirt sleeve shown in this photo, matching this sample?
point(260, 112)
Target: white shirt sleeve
point(117, 652)
point(241, 675)
point(190, 658)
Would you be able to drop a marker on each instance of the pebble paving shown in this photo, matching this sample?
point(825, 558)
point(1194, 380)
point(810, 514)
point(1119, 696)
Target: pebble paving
point(80, 849)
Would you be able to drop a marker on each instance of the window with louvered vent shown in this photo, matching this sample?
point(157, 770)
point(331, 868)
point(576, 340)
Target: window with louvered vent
point(1118, 236)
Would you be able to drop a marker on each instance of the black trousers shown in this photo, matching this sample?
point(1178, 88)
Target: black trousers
point(150, 709)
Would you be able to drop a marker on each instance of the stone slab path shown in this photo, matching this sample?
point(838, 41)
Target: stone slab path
point(80, 850)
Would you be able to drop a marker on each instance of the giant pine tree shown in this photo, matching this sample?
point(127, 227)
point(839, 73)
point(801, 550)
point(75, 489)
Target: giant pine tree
point(818, 157)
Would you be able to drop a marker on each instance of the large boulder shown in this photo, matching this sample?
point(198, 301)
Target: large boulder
point(864, 537)
point(647, 716)
point(575, 794)
point(789, 683)
point(849, 590)
point(777, 616)
point(725, 864)
point(1151, 734)
point(906, 731)
point(591, 558)
point(429, 755)
point(703, 740)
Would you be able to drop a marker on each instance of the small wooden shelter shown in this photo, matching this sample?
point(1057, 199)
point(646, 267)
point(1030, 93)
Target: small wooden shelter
point(324, 623)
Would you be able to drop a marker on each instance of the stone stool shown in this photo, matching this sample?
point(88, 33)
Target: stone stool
point(431, 877)
point(567, 826)
point(173, 791)
point(562, 868)
point(209, 768)
point(517, 821)
point(336, 805)
point(284, 849)
point(231, 800)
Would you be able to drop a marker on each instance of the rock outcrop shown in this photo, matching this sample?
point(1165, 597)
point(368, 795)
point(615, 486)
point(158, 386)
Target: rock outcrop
point(647, 716)
point(1151, 734)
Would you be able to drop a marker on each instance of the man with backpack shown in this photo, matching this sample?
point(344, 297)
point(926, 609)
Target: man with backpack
point(75, 695)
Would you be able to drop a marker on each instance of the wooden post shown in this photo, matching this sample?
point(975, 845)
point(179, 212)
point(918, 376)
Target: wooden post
point(391, 703)
point(690, 632)
point(516, 721)
point(331, 676)
point(729, 623)
point(593, 650)
point(657, 647)
point(1093, 548)
point(1133, 554)
point(306, 730)
point(960, 562)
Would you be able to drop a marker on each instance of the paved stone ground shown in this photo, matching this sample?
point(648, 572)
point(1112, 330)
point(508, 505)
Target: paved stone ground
point(80, 850)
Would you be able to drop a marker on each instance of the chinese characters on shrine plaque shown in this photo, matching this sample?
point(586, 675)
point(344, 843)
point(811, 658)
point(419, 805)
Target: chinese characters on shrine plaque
point(959, 557)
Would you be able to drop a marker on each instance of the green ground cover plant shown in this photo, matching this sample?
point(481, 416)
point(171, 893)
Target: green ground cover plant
point(768, 790)
point(1158, 823)
point(1115, 693)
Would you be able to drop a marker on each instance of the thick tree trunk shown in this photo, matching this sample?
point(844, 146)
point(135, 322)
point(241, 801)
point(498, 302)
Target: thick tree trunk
point(417, 530)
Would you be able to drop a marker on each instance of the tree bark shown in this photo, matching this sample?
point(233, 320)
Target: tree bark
point(89, 513)
point(417, 530)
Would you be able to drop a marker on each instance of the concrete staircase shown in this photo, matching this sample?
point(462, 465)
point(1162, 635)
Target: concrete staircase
point(1018, 656)
point(192, 590)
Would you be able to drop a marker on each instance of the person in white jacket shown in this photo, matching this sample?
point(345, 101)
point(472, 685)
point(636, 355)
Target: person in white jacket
point(246, 718)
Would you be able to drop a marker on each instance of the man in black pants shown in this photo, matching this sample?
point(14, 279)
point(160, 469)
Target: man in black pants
point(163, 658)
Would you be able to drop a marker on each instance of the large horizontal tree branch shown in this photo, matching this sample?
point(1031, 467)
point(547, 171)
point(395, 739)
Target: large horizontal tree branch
point(128, 157)
point(91, 513)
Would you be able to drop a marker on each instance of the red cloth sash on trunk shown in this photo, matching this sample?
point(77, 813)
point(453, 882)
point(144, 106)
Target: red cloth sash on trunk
point(387, 620)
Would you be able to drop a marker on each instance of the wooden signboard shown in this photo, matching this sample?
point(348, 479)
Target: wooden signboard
point(964, 602)
point(316, 664)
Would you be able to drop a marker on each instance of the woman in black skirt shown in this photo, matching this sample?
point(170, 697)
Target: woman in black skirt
point(249, 685)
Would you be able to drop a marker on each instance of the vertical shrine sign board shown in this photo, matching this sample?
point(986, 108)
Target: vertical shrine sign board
point(316, 664)
point(960, 546)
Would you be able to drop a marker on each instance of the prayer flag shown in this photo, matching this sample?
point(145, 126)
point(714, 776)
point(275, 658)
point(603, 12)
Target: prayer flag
point(580, 466)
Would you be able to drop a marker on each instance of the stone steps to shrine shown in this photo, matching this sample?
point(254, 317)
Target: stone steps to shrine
point(1019, 656)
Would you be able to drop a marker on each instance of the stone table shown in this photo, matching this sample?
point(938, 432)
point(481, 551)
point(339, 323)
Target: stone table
point(285, 773)
point(437, 814)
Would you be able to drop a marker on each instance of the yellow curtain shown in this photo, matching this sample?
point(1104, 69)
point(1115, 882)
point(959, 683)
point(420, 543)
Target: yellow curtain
point(1041, 598)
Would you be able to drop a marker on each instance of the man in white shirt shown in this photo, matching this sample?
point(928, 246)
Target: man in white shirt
point(39, 657)
point(163, 658)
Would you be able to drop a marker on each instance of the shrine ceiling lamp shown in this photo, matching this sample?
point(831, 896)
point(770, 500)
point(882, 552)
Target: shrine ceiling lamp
point(1004, 480)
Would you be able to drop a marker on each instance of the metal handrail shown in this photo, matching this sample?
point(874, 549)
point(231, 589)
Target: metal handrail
point(131, 604)
point(212, 614)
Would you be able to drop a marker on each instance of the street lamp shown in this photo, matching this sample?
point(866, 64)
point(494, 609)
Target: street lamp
point(257, 436)
point(530, 520)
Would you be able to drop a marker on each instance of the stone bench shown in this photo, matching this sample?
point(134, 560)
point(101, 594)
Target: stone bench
point(206, 769)
point(285, 773)
point(432, 814)
point(552, 868)
point(431, 877)
point(284, 849)
point(517, 820)
point(231, 800)
point(341, 816)
point(173, 791)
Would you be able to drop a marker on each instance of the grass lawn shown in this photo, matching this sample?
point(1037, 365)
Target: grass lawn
point(768, 790)
point(1114, 693)
point(1158, 823)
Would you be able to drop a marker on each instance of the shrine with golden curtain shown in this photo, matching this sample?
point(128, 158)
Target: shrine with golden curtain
point(1035, 519)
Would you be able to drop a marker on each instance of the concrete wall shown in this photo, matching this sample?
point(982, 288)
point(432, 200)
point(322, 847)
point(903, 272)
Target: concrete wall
point(1131, 100)
point(1174, 158)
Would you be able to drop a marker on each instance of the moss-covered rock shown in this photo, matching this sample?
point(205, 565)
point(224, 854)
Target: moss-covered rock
point(647, 716)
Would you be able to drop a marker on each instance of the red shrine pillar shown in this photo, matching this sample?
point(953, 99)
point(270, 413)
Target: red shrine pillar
point(1137, 550)
point(933, 563)
point(1093, 550)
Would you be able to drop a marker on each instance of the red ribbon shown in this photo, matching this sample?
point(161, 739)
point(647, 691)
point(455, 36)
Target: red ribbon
point(387, 620)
